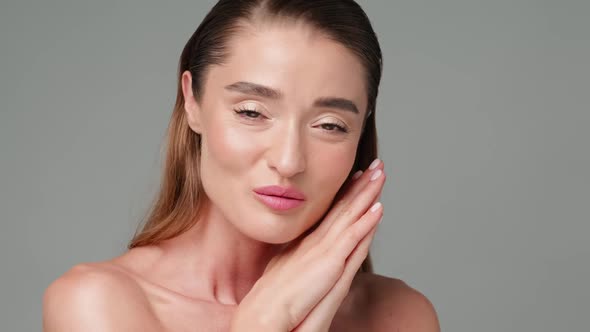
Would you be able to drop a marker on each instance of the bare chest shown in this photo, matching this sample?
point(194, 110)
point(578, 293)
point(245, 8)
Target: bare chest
point(216, 318)
point(185, 317)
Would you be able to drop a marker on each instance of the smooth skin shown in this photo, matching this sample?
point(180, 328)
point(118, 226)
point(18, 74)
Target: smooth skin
point(245, 267)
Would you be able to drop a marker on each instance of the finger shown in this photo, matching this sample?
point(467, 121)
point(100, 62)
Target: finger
point(357, 207)
point(358, 185)
point(354, 188)
point(360, 252)
point(350, 208)
point(353, 235)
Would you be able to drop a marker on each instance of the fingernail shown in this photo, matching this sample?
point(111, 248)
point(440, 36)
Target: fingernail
point(374, 164)
point(357, 174)
point(380, 220)
point(375, 206)
point(376, 175)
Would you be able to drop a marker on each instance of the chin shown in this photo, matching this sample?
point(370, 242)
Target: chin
point(273, 229)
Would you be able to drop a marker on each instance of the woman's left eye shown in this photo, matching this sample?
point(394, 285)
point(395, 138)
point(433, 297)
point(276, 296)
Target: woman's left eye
point(334, 127)
point(249, 114)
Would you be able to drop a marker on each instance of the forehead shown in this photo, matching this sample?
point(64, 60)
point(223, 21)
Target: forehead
point(294, 58)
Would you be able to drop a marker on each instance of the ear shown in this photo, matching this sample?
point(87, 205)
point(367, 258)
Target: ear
point(191, 107)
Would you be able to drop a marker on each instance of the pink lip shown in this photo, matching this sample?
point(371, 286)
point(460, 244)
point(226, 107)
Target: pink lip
point(280, 198)
point(286, 192)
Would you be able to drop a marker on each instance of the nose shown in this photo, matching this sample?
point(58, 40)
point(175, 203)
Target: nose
point(287, 152)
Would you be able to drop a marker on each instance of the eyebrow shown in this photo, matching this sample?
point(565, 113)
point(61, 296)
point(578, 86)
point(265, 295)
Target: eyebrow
point(270, 93)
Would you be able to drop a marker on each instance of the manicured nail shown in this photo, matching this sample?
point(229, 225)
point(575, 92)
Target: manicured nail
point(357, 174)
point(376, 175)
point(375, 206)
point(374, 164)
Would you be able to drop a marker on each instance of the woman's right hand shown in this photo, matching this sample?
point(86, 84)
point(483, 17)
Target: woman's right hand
point(299, 277)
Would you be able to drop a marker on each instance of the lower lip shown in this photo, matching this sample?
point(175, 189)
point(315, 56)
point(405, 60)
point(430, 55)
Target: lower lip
point(278, 203)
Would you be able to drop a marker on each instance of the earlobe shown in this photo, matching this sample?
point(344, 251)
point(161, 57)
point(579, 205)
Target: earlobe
point(191, 107)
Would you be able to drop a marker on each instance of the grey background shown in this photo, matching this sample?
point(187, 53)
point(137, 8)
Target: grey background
point(483, 118)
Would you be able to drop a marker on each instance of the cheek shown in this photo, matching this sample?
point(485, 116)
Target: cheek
point(331, 167)
point(328, 169)
point(226, 157)
point(226, 151)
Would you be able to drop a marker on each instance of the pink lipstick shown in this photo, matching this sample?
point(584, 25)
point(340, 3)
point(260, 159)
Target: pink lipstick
point(279, 198)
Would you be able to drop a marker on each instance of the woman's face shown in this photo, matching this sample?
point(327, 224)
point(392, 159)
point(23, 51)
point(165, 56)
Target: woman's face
point(302, 100)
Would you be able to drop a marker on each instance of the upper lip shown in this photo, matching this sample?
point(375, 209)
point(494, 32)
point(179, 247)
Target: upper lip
point(288, 192)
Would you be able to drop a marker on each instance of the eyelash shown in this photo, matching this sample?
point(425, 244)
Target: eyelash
point(243, 113)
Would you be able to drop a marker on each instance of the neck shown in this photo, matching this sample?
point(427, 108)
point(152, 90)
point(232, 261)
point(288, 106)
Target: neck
point(214, 261)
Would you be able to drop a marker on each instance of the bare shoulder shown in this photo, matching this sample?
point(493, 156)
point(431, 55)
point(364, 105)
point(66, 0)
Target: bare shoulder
point(94, 297)
point(396, 306)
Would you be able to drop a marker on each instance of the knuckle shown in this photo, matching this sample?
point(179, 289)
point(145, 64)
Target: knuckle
point(341, 204)
point(346, 212)
point(352, 235)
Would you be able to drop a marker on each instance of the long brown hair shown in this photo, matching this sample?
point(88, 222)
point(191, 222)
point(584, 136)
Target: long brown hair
point(180, 198)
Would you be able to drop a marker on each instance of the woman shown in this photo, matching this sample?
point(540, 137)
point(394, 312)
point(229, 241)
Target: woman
point(265, 216)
